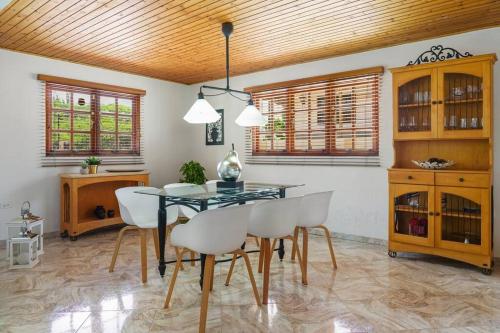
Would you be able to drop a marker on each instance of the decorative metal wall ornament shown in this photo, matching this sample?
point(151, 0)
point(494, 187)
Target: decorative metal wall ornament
point(438, 53)
point(214, 132)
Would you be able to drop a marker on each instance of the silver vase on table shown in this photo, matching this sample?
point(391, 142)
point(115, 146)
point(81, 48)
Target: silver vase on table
point(229, 169)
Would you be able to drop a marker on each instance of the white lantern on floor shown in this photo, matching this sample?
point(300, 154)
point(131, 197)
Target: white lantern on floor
point(23, 251)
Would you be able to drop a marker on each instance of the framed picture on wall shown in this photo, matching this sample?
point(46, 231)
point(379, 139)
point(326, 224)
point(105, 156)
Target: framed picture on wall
point(214, 134)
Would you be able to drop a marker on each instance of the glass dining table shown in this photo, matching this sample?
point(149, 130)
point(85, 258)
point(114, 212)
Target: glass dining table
point(203, 197)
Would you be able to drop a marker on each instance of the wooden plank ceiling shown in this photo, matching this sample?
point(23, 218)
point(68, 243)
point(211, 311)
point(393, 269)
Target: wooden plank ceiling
point(181, 40)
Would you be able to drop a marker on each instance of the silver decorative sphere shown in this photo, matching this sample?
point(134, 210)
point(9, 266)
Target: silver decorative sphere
point(229, 169)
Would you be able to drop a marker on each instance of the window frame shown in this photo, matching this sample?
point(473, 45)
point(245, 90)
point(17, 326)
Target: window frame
point(332, 115)
point(95, 114)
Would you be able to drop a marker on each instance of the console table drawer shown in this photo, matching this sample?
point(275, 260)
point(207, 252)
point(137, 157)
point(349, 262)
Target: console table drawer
point(463, 179)
point(411, 177)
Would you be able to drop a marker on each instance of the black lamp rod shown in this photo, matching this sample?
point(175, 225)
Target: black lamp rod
point(227, 29)
point(226, 90)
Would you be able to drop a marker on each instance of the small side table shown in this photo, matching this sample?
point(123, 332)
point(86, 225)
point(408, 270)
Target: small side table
point(14, 228)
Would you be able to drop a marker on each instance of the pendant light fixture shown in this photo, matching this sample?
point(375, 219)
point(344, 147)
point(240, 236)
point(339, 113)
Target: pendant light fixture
point(202, 112)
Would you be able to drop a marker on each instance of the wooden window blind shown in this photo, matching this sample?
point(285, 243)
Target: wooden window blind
point(332, 119)
point(82, 121)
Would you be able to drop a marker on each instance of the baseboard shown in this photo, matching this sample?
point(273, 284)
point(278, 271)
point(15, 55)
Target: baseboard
point(355, 238)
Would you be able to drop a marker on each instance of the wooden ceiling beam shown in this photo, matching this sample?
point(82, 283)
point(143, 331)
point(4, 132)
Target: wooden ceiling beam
point(180, 40)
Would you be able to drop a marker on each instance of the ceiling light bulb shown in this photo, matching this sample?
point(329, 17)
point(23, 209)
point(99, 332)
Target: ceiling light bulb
point(201, 112)
point(251, 117)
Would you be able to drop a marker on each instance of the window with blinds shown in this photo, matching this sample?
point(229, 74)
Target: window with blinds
point(84, 121)
point(332, 119)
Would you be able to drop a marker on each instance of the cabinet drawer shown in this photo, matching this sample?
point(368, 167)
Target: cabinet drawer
point(411, 177)
point(463, 179)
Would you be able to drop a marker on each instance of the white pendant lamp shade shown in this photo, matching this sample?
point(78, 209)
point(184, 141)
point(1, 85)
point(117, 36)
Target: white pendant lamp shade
point(201, 112)
point(251, 116)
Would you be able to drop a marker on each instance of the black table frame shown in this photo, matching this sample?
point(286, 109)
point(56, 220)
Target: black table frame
point(203, 204)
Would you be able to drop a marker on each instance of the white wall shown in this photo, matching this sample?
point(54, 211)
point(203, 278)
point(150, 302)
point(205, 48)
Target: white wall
point(22, 178)
point(360, 204)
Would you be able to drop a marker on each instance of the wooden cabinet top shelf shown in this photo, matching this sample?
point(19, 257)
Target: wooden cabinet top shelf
point(477, 100)
point(414, 105)
point(411, 209)
point(462, 215)
point(486, 172)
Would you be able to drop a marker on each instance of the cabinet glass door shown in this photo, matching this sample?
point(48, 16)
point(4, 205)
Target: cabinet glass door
point(462, 218)
point(461, 104)
point(414, 106)
point(412, 220)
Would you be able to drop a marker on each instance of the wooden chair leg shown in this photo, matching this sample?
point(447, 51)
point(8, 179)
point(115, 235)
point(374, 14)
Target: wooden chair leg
point(250, 275)
point(193, 254)
point(144, 255)
point(294, 246)
point(305, 237)
point(212, 279)
point(117, 246)
point(209, 266)
point(156, 240)
point(178, 253)
point(257, 241)
point(297, 252)
point(172, 282)
point(330, 245)
point(228, 278)
point(272, 248)
point(267, 265)
point(261, 257)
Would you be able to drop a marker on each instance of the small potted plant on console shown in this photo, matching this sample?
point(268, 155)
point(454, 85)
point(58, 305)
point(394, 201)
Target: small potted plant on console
point(93, 163)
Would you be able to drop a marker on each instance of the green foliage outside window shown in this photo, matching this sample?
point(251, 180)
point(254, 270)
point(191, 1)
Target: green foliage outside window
point(277, 126)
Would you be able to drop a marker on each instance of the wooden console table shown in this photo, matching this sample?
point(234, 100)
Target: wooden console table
point(80, 194)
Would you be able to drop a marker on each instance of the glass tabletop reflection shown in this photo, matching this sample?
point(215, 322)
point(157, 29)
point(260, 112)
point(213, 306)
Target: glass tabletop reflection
point(214, 195)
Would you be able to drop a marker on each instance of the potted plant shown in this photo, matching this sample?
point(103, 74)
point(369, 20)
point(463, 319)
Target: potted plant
point(84, 168)
point(193, 172)
point(93, 162)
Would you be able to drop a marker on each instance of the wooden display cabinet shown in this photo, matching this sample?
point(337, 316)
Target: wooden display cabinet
point(444, 110)
point(80, 194)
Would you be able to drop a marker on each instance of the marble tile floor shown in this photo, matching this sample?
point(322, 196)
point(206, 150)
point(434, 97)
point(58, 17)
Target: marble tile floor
point(71, 290)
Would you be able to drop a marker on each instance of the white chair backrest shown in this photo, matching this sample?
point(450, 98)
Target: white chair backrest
point(314, 209)
point(176, 185)
point(141, 209)
point(216, 231)
point(183, 210)
point(274, 218)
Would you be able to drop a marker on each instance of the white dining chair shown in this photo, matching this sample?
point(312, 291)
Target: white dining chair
point(273, 219)
point(213, 232)
point(184, 212)
point(313, 213)
point(140, 212)
point(214, 181)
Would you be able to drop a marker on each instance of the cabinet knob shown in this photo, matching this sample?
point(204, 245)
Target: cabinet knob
point(440, 102)
point(437, 213)
point(410, 177)
point(431, 213)
point(434, 102)
point(461, 179)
